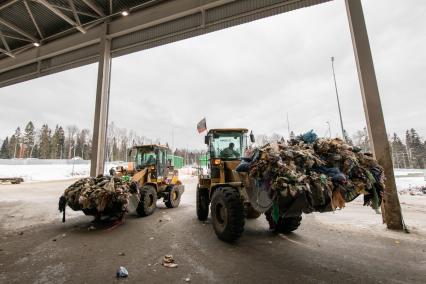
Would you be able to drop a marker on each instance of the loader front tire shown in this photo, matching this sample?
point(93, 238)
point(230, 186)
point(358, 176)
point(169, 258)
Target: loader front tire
point(227, 212)
point(148, 201)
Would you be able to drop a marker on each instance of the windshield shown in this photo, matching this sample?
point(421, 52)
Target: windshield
point(145, 157)
point(228, 145)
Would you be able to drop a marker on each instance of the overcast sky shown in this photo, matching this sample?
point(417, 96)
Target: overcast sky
point(250, 76)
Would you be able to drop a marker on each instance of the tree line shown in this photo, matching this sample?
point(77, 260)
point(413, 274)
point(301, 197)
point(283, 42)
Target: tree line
point(70, 141)
point(47, 143)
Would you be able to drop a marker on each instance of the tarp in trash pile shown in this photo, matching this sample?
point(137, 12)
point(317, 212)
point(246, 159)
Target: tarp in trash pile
point(321, 175)
point(103, 195)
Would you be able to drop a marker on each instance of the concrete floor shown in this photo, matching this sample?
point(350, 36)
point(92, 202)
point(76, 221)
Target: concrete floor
point(35, 247)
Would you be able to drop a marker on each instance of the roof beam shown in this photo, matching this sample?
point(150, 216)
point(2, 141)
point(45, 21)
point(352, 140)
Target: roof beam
point(74, 12)
point(8, 53)
point(3, 40)
point(94, 7)
point(61, 15)
point(17, 37)
point(33, 19)
point(18, 30)
point(7, 4)
point(70, 10)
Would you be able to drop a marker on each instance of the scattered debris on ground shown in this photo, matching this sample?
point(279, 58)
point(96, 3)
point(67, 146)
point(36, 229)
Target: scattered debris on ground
point(122, 272)
point(169, 262)
point(12, 180)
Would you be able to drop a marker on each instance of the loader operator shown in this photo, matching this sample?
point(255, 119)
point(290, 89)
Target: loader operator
point(229, 152)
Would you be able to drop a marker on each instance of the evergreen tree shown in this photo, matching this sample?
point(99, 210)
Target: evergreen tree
point(28, 139)
point(45, 140)
point(54, 145)
point(81, 146)
point(4, 150)
point(399, 152)
point(12, 146)
point(417, 150)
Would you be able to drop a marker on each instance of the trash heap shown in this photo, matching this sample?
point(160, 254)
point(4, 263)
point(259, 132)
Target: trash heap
point(103, 195)
point(308, 174)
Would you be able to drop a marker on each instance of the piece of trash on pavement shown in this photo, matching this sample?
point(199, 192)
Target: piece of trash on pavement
point(122, 254)
point(91, 228)
point(169, 262)
point(122, 272)
point(187, 279)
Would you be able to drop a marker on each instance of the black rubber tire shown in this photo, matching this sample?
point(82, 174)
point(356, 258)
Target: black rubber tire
point(251, 213)
point(202, 203)
point(227, 213)
point(173, 198)
point(288, 225)
point(148, 201)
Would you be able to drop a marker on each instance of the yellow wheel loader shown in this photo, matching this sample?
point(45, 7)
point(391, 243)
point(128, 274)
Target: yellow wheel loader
point(153, 176)
point(231, 195)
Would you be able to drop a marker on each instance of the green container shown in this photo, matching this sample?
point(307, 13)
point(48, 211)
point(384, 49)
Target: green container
point(177, 161)
point(203, 161)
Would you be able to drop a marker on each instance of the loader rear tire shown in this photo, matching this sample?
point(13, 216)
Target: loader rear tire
point(202, 203)
point(227, 212)
point(173, 199)
point(148, 201)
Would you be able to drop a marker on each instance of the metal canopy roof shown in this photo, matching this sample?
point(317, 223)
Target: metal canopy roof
point(25, 22)
point(68, 32)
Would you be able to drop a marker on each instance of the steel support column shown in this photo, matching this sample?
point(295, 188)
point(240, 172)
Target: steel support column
point(101, 106)
point(373, 111)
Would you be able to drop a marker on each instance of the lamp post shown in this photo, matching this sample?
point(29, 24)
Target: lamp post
point(338, 101)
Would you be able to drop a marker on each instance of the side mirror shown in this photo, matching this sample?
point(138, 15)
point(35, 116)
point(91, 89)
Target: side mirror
point(252, 140)
point(206, 140)
point(129, 153)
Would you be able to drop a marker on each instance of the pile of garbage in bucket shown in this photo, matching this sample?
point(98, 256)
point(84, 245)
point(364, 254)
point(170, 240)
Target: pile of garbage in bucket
point(318, 174)
point(103, 195)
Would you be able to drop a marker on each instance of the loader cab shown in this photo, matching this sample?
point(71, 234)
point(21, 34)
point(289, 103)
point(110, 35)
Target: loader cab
point(226, 147)
point(151, 157)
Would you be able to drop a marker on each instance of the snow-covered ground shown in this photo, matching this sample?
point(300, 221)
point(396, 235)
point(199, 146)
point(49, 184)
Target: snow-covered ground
point(32, 173)
point(48, 172)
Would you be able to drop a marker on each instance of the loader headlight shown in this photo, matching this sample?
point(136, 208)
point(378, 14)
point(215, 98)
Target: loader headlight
point(216, 162)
